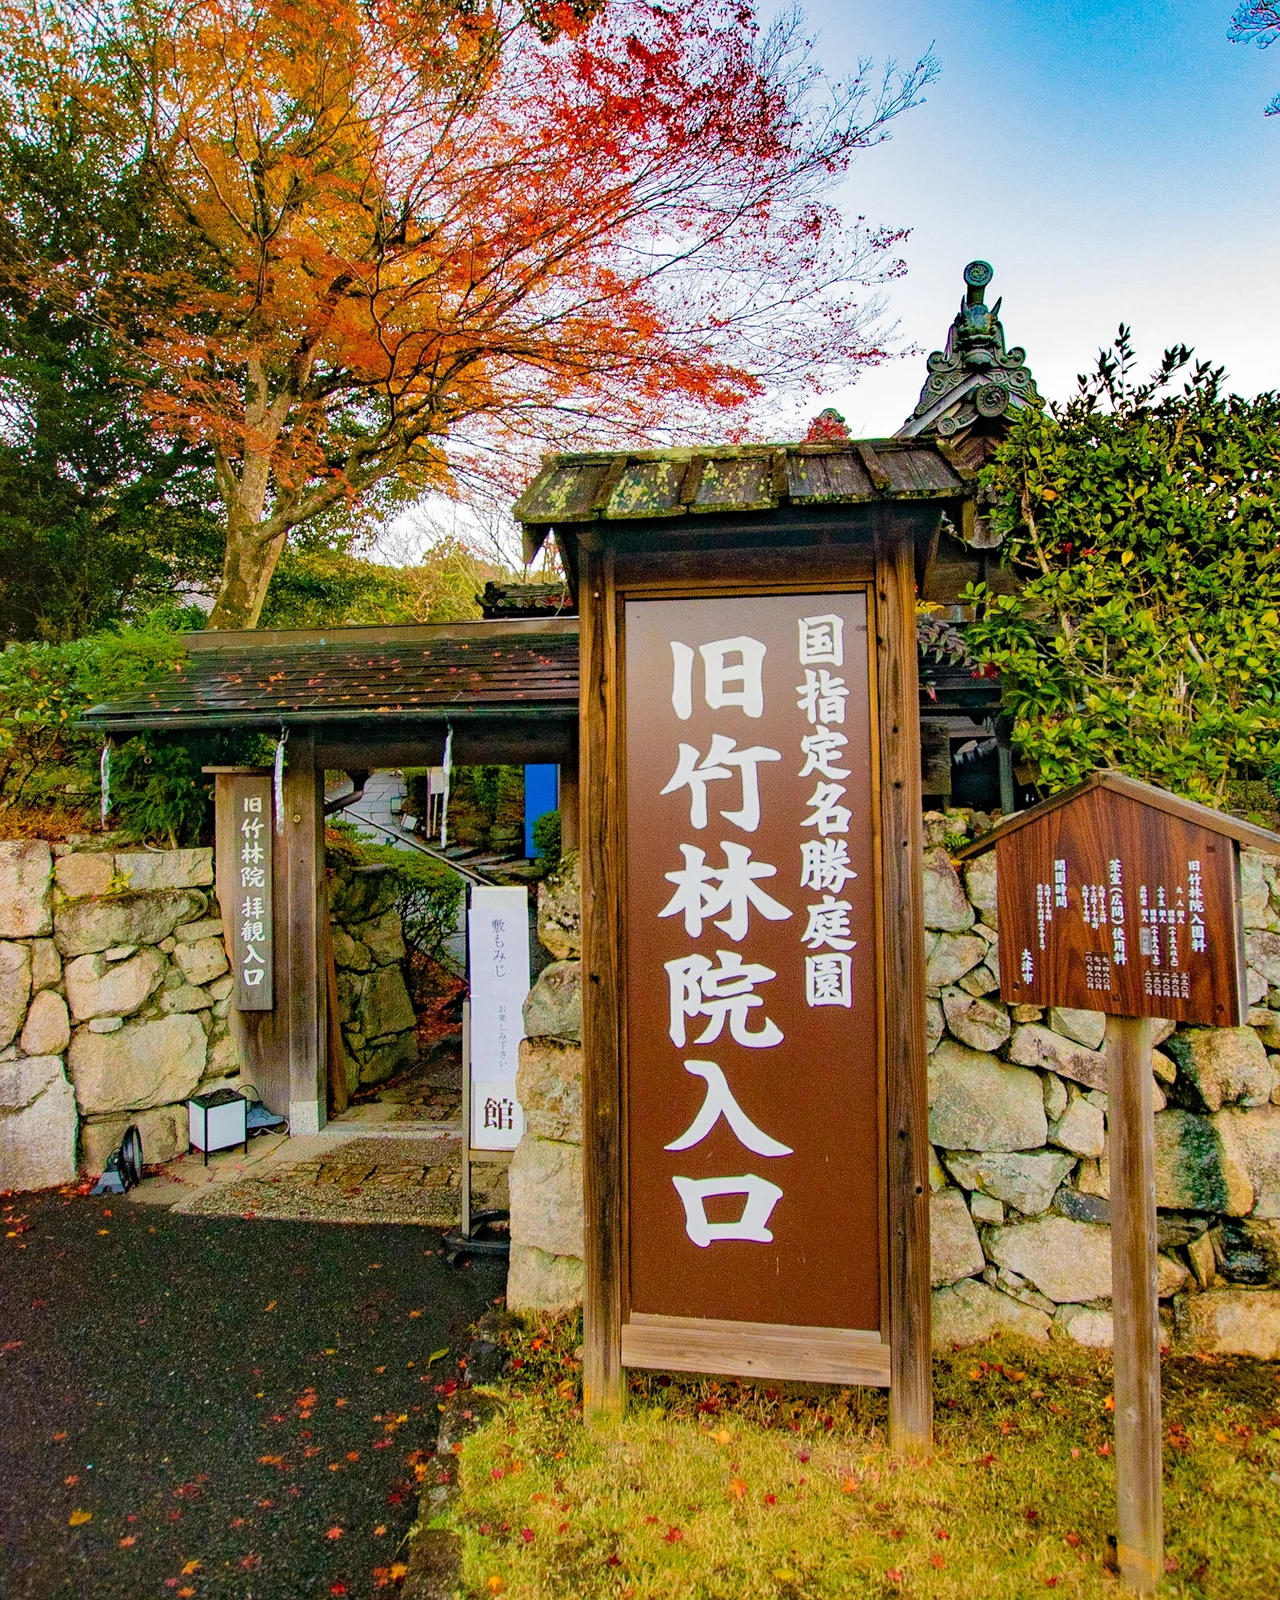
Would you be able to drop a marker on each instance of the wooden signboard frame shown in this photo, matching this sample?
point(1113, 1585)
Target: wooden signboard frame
point(285, 1050)
point(882, 562)
point(1096, 854)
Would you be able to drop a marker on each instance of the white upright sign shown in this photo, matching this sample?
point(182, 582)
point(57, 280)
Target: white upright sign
point(498, 959)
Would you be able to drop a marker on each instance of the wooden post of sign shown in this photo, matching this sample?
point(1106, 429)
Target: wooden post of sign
point(602, 1371)
point(1135, 1304)
point(910, 1306)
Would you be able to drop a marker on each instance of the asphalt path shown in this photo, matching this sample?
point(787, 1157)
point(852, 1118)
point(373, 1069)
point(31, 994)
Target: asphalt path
point(216, 1407)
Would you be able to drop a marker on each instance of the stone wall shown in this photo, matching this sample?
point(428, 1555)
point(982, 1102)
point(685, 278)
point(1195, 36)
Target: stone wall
point(1018, 1122)
point(1021, 1235)
point(115, 990)
point(546, 1169)
point(378, 1021)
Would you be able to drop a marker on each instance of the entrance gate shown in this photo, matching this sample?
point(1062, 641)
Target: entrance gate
point(828, 532)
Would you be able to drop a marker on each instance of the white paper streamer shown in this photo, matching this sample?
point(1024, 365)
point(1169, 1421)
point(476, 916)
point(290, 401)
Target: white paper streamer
point(104, 772)
point(448, 769)
point(279, 781)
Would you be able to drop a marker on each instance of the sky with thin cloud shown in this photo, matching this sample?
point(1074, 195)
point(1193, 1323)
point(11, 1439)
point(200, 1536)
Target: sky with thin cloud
point(1112, 163)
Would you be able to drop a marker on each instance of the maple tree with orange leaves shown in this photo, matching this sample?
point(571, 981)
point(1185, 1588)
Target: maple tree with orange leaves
point(421, 241)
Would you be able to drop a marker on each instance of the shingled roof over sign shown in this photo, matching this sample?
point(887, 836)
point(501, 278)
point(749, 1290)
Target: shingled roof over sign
point(576, 490)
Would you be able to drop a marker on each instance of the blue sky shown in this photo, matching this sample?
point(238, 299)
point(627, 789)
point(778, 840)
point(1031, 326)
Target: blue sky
point(1111, 162)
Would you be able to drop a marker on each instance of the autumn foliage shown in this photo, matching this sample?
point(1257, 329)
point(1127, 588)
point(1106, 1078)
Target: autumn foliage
point(418, 241)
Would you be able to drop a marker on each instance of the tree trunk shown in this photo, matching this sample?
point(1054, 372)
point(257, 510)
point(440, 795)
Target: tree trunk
point(247, 566)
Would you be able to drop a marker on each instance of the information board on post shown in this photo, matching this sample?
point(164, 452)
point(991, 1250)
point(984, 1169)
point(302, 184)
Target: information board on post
point(250, 914)
point(1122, 898)
point(498, 971)
point(1111, 904)
point(751, 1064)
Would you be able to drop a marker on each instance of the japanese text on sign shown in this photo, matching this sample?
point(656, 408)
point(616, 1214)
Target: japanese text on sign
point(249, 906)
point(498, 969)
point(1126, 909)
point(759, 748)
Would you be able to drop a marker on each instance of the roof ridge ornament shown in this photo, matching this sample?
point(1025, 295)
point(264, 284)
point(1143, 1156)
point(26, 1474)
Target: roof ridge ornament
point(976, 380)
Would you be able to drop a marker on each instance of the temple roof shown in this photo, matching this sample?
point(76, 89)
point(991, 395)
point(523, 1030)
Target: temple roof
point(975, 380)
point(431, 673)
point(267, 679)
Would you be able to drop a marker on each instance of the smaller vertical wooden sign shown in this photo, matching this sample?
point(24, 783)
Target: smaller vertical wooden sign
point(250, 912)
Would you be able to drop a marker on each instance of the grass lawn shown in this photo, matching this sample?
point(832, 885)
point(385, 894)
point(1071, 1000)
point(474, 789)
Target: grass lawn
point(728, 1490)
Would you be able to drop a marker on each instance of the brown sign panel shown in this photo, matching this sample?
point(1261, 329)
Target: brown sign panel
point(1110, 904)
point(248, 906)
point(752, 1070)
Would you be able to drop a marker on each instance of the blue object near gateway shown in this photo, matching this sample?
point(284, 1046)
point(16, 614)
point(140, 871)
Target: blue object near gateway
point(541, 794)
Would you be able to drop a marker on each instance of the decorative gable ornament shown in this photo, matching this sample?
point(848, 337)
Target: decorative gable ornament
point(975, 379)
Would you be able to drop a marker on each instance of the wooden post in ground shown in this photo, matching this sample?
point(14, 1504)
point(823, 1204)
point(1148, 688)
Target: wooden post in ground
point(1135, 1304)
point(910, 1305)
point(305, 1001)
point(603, 1377)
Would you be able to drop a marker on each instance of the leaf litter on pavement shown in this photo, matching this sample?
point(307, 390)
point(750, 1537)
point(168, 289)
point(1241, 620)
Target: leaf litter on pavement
point(345, 1424)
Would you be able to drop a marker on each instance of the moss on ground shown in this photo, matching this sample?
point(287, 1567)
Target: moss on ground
point(715, 1491)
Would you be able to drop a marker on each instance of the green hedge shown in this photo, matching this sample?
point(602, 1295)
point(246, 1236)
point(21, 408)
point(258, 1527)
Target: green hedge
point(48, 764)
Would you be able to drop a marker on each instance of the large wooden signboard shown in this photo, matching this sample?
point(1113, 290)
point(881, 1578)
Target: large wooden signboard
point(755, 1105)
point(1114, 903)
point(753, 1092)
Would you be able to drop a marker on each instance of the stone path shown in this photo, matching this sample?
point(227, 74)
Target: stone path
point(357, 1180)
point(352, 1172)
point(393, 1158)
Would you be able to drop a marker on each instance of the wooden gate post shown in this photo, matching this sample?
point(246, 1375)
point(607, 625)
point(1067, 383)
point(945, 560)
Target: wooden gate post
point(261, 1037)
point(1135, 1304)
point(301, 919)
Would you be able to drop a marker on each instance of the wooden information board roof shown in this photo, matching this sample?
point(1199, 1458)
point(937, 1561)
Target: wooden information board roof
point(1221, 822)
point(574, 491)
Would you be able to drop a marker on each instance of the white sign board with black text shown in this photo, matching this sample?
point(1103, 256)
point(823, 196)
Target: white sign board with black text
point(498, 963)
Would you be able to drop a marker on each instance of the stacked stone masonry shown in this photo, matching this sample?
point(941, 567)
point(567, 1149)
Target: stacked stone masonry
point(546, 1170)
point(1020, 1227)
point(115, 991)
point(374, 1007)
